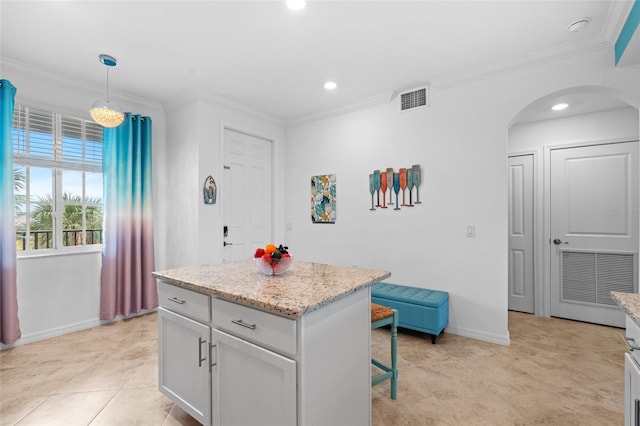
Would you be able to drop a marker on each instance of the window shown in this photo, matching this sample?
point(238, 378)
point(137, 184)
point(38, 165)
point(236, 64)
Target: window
point(57, 179)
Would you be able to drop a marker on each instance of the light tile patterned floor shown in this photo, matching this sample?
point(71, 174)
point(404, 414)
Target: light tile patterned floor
point(555, 372)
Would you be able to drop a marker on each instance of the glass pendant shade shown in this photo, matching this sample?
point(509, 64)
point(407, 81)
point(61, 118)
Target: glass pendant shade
point(106, 113)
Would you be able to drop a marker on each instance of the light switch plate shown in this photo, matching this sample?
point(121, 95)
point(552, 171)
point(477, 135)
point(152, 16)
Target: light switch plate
point(471, 231)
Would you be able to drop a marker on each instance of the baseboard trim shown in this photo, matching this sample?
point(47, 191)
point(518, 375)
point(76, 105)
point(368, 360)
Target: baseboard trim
point(498, 339)
point(66, 329)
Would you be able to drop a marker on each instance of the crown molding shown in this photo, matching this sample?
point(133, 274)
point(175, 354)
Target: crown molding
point(611, 30)
point(206, 96)
point(370, 102)
point(8, 65)
point(508, 66)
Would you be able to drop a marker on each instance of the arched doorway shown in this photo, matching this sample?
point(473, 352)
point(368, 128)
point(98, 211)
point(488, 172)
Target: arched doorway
point(595, 116)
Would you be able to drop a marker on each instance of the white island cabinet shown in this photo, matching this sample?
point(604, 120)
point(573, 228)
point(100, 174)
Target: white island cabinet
point(252, 382)
point(632, 374)
point(280, 350)
point(631, 391)
point(183, 343)
point(630, 303)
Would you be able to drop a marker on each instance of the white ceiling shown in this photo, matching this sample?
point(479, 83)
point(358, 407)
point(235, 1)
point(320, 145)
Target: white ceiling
point(271, 59)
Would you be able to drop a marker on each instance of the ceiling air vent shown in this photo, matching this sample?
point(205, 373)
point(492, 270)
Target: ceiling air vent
point(413, 99)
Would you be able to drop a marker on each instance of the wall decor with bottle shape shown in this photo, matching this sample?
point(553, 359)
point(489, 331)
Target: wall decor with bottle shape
point(404, 181)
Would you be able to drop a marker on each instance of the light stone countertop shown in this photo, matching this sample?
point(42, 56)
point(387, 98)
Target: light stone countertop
point(630, 303)
point(303, 288)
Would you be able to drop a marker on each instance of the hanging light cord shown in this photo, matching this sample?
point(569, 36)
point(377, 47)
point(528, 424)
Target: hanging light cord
point(107, 82)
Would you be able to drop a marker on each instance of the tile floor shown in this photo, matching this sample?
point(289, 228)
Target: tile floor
point(555, 372)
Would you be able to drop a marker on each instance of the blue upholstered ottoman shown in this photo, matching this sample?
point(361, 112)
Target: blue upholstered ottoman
point(419, 309)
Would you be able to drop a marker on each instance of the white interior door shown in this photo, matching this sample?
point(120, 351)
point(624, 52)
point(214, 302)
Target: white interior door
point(594, 230)
point(521, 275)
point(247, 198)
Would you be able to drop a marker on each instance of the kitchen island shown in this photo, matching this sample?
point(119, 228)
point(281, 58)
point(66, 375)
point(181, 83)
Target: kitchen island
point(630, 304)
point(238, 347)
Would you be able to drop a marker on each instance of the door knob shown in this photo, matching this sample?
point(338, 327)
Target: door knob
point(224, 244)
point(558, 241)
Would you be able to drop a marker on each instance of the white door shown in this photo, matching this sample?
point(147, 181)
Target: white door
point(246, 197)
point(594, 230)
point(521, 233)
point(251, 385)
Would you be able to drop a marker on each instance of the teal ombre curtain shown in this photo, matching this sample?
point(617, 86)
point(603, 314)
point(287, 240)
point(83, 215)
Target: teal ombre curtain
point(127, 253)
point(9, 324)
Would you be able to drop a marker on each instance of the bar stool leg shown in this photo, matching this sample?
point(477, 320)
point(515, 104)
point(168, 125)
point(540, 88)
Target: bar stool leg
point(394, 355)
point(380, 317)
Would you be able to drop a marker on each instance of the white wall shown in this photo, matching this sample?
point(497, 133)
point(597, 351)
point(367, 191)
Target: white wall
point(461, 143)
point(604, 126)
point(59, 294)
point(195, 150)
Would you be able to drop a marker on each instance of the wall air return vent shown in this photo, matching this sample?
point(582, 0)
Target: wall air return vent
point(590, 277)
point(413, 99)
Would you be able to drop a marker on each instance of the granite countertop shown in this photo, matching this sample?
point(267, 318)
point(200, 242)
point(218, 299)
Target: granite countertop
point(303, 288)
point(630, 303)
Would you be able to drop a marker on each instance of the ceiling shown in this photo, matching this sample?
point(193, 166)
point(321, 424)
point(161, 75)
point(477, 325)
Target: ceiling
point(271, 59)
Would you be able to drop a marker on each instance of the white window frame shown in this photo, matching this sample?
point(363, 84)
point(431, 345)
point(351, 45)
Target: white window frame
point(57, 165)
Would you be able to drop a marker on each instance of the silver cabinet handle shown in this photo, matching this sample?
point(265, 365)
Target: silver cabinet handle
point(176, 300)
point(212, 364)
point(244, 324)
point(200, 359)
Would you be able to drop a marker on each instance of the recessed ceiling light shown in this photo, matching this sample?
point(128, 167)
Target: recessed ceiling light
point(559, 107)
point(296, 4)
point(330, 85)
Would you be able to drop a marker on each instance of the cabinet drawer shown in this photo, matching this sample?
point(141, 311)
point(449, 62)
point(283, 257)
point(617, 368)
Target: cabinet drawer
point(275, 332)
point(633, 330)
point(189, 303)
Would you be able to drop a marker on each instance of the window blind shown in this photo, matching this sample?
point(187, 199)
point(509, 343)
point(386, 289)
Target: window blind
point(55, 140)
point(33, 133)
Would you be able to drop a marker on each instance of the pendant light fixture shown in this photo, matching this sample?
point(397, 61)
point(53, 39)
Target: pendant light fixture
point(104, 111)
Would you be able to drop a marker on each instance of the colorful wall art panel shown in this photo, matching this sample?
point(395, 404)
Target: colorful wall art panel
point(404, 181)
point(323, 199)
